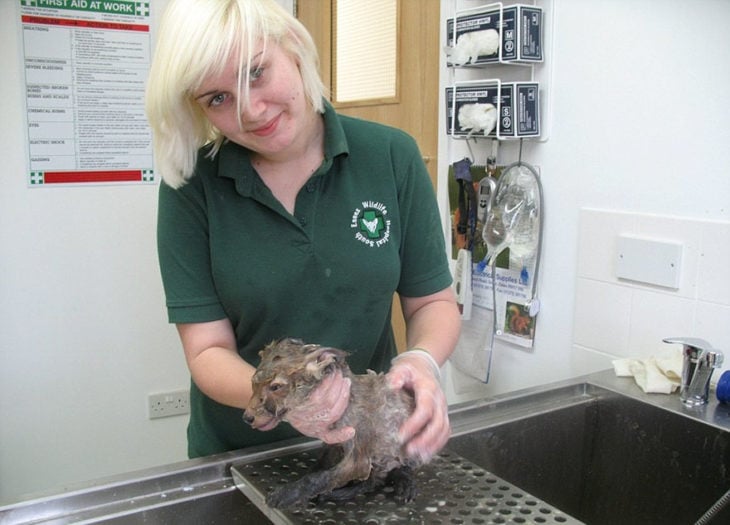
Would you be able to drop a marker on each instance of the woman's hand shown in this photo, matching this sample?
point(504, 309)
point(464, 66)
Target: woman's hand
point(427, 430)
point(324, 407)
point(433, 323)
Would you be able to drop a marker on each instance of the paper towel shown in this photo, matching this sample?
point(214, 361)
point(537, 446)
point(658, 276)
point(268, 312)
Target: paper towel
point(654, 375)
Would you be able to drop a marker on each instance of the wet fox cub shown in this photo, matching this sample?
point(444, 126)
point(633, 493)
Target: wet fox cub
point(288, 372)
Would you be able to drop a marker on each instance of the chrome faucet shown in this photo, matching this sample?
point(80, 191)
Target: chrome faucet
point(700, 359)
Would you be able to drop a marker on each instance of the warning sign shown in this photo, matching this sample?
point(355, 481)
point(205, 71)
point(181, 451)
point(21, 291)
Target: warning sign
point(85, 68)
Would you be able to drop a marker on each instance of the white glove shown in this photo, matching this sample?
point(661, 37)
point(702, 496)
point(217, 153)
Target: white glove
point(427, 430)
point(324, 407)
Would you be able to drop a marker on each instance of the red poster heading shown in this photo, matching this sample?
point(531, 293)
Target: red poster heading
point(91, 24)
point(66, 177)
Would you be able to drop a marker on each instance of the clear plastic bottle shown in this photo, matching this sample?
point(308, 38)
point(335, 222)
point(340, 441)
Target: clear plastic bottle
point(524, 235)
point(523, 195)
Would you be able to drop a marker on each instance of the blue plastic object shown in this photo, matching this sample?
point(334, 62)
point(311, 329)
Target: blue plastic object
point(723, 387)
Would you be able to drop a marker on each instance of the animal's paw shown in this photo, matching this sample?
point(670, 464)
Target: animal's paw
point(348, 492)
point(406, 491)
point(404, 484)
point(285, 497)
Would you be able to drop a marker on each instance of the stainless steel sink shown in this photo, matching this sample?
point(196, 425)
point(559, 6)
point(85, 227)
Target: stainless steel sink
point(197, 491)
point(596, 449)
point(603, 451)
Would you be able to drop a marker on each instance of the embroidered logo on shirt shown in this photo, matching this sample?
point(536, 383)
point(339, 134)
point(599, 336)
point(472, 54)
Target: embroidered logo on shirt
point(371, 224)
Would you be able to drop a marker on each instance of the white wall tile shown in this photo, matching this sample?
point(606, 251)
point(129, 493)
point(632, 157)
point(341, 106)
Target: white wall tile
point(625, 319)
point(602, 316)
point(713, 279)
point(656, 316)
point(712, 323)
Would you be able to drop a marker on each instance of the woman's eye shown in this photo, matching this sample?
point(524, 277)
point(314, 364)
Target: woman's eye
point(217, 100)
point(255, 73)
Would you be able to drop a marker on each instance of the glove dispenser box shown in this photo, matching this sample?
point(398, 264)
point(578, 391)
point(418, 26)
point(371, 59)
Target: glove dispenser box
point(515, 105)
point(495, 34)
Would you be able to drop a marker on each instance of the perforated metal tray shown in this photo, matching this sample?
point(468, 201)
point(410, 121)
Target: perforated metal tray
point(451, 490)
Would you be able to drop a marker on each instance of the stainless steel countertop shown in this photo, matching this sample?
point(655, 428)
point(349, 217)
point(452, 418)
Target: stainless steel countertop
point(202, 490)
point(714, 413)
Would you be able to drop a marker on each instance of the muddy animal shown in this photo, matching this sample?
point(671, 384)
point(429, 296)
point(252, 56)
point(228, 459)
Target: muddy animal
point(288, 372)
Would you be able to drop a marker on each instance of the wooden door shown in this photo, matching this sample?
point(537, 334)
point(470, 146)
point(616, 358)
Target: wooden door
point(415, 109)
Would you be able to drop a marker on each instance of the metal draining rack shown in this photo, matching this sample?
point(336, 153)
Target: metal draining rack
point(451, 490)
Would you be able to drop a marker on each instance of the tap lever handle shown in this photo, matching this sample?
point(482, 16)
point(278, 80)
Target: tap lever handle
point(691, 342)
point(698, 350)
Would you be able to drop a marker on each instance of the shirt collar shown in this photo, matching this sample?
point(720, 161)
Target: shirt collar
point(335, 141)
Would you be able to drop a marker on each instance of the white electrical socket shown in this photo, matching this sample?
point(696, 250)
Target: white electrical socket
point(168, 404)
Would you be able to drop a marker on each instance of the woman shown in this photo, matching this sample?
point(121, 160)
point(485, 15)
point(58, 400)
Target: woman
point(278, 217)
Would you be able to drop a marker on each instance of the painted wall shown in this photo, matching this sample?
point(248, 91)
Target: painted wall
point(83, 329)
point(639, 127)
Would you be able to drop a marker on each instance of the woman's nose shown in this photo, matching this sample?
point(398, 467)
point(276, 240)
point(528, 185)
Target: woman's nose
point(253, 108)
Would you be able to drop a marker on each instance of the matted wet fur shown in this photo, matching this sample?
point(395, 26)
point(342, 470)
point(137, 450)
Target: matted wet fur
point(288, 372)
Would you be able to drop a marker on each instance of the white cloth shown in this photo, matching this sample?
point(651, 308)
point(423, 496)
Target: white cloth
point(654, 375)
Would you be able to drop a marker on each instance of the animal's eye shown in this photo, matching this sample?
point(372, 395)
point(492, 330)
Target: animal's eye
point(273, 387)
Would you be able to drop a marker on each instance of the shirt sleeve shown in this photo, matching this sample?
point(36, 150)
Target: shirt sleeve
point(184, 254)
point(424, 263)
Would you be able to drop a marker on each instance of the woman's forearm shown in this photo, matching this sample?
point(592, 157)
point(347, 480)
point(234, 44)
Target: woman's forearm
point(214, 363)
point(433, 323)
point(223, 376)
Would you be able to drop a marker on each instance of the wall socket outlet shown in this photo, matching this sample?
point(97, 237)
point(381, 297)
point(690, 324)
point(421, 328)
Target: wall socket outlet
point(168, 404)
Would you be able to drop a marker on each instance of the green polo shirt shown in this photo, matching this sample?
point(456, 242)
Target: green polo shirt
point(366, 224)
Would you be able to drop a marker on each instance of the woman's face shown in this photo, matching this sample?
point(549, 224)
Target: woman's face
point(278, 111)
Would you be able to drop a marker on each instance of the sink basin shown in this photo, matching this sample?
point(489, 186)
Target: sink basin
point(602, 455)
point(197, 491)
point(229, 507)
point(594, 449)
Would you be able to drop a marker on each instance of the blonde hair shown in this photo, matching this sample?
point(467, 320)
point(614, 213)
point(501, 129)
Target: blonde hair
point(197, 38)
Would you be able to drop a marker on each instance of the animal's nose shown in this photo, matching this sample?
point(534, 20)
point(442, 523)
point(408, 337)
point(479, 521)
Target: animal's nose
point(248, 418)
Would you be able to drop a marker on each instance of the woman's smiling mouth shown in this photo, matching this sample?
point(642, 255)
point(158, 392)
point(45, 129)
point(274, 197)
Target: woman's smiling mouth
point(268, 128)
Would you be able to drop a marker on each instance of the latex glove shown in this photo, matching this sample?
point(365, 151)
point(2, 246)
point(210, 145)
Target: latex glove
point(427, 430)
point(324, 407)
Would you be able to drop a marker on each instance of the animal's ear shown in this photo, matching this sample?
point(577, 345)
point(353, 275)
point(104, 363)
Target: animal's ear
point(327, 357)
point(269, 347)
point(329, 354)
point(324, 359)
